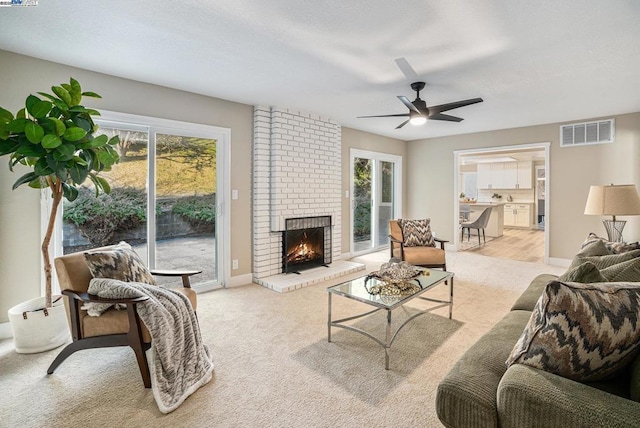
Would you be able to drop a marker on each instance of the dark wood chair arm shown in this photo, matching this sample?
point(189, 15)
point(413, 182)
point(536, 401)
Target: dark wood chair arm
point(441, 241)
point(86, 297)
point(185, 274)
point(392, 239)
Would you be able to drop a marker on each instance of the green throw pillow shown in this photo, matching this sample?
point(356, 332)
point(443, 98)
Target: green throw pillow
point(604, 261)
point(584, 273)
point(594, 248)
point(628, 271)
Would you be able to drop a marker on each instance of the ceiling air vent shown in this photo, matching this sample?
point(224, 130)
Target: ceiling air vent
point(579, 134)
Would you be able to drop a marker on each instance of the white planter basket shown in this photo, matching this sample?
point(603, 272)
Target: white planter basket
point(37, 330)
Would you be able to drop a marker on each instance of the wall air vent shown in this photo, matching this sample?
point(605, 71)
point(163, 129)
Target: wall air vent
point(579, 134)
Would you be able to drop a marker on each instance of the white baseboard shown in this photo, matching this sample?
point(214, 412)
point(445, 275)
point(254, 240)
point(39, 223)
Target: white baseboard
point(236, 281)
point(5, 330)
point(553, 261)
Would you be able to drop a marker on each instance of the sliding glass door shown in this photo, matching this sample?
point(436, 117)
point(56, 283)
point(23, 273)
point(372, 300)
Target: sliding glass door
point(375, 190)
point(165, 200)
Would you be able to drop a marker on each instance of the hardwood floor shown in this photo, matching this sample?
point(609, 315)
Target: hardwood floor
point(516, 244)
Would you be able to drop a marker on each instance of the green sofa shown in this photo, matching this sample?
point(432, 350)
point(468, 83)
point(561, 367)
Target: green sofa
point(480, 391)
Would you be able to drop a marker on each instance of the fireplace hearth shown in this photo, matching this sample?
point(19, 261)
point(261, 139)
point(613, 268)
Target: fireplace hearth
point(306, 243)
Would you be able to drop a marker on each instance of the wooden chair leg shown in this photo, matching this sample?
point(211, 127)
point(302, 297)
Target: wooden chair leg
point(484, 237)
point(135, 342)
point(479, 243)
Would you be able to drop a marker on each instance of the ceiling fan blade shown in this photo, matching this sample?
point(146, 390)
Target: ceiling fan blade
point(440, 116)
point(457, 104)
point(402, 124)
point(387, 115)
point(408, 103)
point(406, 68)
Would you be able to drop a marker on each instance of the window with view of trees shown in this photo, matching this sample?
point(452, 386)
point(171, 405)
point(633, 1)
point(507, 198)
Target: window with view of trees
point(163, 201)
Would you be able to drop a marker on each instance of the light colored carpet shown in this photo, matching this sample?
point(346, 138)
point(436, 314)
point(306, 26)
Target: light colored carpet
point(273, 364)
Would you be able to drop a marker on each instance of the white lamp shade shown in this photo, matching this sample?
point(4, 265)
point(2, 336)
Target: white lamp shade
point(613, 200)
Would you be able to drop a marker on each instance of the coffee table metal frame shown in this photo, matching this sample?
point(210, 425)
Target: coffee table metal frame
point(426, 282)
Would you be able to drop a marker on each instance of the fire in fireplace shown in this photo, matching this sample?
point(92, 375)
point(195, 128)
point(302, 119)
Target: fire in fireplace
point(306, 243)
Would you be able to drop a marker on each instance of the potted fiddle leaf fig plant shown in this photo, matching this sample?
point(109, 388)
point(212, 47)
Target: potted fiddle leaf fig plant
point(53, 138)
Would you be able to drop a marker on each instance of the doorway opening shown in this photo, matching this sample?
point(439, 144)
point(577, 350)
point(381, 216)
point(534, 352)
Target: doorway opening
point(514, 182)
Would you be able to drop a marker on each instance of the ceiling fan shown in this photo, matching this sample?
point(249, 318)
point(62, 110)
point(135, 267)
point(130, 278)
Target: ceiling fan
point(419, 112)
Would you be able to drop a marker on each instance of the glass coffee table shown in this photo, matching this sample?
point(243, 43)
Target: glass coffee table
point(358, 289)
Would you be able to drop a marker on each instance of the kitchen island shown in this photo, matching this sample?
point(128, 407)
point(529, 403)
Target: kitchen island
point(495, 226)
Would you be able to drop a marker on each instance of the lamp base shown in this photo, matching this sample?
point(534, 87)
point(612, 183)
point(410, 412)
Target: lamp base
point(614, 229)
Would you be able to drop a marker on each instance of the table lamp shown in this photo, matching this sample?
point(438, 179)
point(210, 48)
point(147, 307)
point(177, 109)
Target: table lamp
point(613, 200)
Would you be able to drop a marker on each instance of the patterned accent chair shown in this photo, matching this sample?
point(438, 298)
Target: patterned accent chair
point(428, 255)
point(113, 327)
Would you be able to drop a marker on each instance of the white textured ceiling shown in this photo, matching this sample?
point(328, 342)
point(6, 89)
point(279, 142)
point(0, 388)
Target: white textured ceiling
point(533, 62)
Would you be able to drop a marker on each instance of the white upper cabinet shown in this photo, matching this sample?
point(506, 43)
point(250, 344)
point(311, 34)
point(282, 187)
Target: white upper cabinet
point(505, 175)
point(491, 175)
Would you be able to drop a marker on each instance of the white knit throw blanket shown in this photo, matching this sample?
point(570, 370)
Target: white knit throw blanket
point(180, 362)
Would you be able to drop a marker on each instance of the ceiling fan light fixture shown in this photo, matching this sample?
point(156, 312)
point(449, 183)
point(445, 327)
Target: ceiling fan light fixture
point(418, 120)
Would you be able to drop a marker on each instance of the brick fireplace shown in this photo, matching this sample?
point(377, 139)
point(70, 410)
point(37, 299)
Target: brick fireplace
point(297, 172)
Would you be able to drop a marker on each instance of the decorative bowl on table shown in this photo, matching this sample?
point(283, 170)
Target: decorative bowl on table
point(395, 279)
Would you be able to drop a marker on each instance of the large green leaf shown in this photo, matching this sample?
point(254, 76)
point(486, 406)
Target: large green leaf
point(5, 116)
point(51, 141)
point(83, 123)
point(74, 134)
point(114, 140)
point(42, 168)
point(54, 163)
point(4, 131)
point(8, 146)
point(34, 132)
point(21, 114)
point(31, 150)
point(105, 158)
point(75, 91)
point(59, 126)
point(91, 94)
point(67, 149)
point(40, 109)
point(30, 176)
point(104, 184)
point(56, 101)
point(38, 183)
point(69, 192)
point(63, 94)
point(17, 125)
point(78, 173)
point(100, 140)
point(30, 102)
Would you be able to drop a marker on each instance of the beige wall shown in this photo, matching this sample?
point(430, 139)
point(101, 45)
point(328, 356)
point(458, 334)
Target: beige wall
point(572, 170)
point(20, 269)
point(354, 139)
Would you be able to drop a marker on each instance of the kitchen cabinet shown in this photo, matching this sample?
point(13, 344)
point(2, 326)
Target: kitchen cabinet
point(517, 215)
point(491, 175)
point(505, 175)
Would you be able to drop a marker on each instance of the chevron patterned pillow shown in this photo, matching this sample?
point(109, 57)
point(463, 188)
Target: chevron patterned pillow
point(417, 233)
point(584, 332)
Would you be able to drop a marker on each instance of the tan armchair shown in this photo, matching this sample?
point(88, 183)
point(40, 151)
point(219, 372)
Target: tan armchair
point(113, 327)
point(429, 257)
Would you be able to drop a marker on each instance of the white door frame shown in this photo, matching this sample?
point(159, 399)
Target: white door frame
point(546, 146)
point(397, 192)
